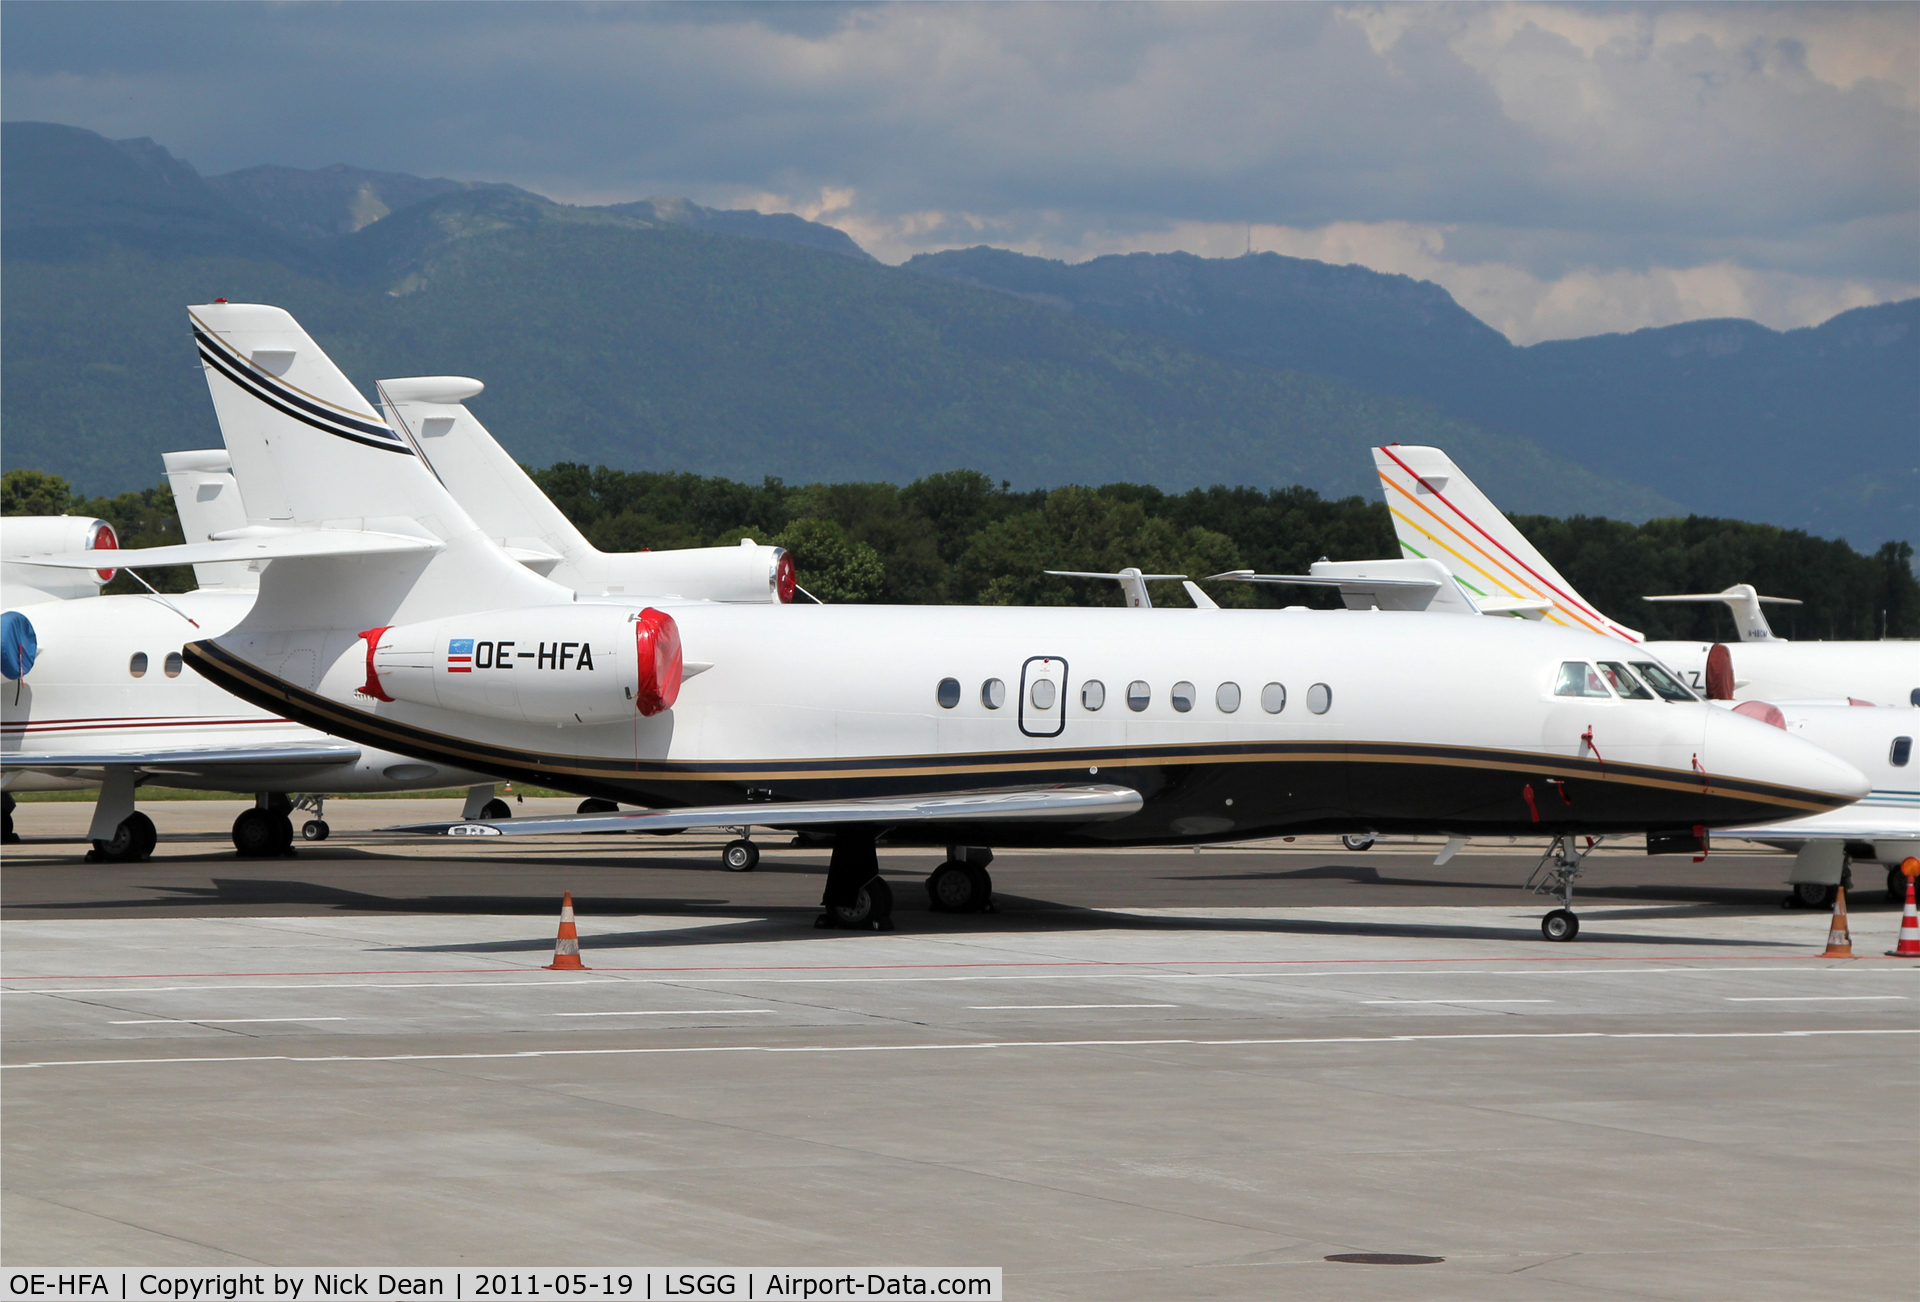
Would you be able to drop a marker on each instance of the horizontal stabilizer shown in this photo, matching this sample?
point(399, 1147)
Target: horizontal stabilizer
point(1525, 607)
point(188, 759)
point(253, 544)
point(1745, 602)
point(1319, 581)
point(1067, 804)
point(1097, 574)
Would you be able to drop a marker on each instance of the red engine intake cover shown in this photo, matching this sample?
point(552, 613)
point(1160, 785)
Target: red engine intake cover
point(656, 640)
point(1719, 673)
point(104, 540)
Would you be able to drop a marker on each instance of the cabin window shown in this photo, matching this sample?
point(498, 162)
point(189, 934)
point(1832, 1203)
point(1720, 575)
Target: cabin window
point(948, 693)
point(1227, 697)
point(138, 665)
point(1663, 682)
point(1913, 698)
point(1139, 696)
point(1093, 694)
point(1901, 752)
point(173, 665)
point(1578, 678)
point(1319, 698)
point(993, 693)
point(1042, 693)
point(1183, 697)
point(1273, 698)
point(1621, 679)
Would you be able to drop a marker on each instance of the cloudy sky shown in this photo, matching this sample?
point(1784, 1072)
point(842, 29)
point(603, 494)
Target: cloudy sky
point(1562, 169)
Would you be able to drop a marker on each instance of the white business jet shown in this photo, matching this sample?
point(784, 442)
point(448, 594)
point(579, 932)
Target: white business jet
point(109, 706)
point(389, 618)
point(1441, 515)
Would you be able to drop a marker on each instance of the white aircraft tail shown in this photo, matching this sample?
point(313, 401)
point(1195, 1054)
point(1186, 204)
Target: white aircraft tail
point(1744, 601)
point(1439, 514)
point(206, 497)
point(311, 454)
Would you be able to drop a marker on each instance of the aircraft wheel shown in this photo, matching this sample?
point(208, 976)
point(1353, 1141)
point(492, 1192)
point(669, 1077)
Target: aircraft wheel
point(1364, 841)
point(7, 835)
point(871, 910)
point(495, 810)
point(740, 856)
point(131, 842)
point(315, 829)
point(261, 833)
point(956, 887)
point(591, 805)
point(1560, 925)
point(1896, 887)
point(1812, 895)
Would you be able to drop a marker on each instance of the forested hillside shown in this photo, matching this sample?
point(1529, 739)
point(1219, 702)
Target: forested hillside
point(957, 536)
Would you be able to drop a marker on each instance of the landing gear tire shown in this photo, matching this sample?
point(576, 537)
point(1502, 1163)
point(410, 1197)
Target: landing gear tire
point(740, 856)
point(1364, 841)
point(871, 910)
point(1813, 895)
point(1561, 924)
point(956, 887)
point(132, 841)
point(315, 829)
point(262, 833)
point(591, 805)
point(7, 835)
point(495, 810)
point(1896, 887)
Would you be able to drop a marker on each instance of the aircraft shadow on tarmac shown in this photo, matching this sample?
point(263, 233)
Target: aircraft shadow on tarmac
point(1682, 895)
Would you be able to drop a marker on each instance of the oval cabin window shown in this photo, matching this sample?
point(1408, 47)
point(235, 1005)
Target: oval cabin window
point(138, 665)
point(1273, 698)
point(1182, 697)
point(1227, 697)
point(1042, 694)
point(1139, 696)
point(1093, 694)
point(173, 665)
point(993, 693)
point(1901, 752)
point(948, 693)
point(1319, 698)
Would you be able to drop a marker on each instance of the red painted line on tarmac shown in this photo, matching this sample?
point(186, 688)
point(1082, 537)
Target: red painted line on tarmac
point(946, 967)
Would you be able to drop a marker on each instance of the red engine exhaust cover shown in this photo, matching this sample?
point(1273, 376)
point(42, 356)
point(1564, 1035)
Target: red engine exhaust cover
point(104, 540)
point(1719, 673)
point(657, 644)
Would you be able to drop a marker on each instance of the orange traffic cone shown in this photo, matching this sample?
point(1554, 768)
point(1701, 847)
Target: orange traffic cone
point(1839, 942)
point(566, 950)
point(1909, 945)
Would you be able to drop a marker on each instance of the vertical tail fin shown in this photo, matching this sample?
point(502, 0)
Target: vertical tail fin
point(206, 497)
point(1439, 514)
point(308, 451)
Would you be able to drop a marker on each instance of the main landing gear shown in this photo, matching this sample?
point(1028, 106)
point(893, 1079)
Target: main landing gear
point(1554, 875)
point(266, 830)
point(132, 841)
point(857, 897)
point(962, 884)
point(1358, 841)
point(740, 855)
point(10, 837)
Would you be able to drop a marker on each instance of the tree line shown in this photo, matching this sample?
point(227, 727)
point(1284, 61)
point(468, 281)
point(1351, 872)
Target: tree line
point(959, 537)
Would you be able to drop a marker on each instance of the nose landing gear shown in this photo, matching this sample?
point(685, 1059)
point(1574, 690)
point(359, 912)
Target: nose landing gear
point(1554, 876)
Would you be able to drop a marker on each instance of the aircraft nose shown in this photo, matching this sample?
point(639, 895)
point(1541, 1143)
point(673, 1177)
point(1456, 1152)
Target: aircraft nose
point(1741, 747)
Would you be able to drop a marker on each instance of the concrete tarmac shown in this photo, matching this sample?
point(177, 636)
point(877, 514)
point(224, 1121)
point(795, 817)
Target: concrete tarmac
point(1153, 1075)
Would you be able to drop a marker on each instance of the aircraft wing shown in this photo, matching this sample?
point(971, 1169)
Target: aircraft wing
point(188, 759)
point(1073, 804)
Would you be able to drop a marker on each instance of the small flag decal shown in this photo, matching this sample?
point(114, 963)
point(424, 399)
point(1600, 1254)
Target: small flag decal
point(460, 655)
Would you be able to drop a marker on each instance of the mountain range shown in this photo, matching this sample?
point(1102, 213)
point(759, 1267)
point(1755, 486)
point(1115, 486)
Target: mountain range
point(666, 335)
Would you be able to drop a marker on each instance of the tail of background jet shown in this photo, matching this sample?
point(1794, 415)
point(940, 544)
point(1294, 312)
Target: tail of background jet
point(206, 497)
point(1438, 514)
point(310, 453)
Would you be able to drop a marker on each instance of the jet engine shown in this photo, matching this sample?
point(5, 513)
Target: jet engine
point(27, 536)
point(559, 665)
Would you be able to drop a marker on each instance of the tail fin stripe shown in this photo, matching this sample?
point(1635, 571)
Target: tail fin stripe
point(386, 443)
point(286, 393)
point(1524, 590)
point(1575, 602)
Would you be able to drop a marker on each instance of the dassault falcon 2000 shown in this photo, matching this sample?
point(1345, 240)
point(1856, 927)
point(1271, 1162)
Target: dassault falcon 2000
point(944, 726)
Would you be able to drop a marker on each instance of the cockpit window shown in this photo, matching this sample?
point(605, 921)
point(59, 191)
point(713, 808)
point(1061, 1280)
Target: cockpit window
point(1663, 682)
point(1578, 678)
point(1621, 680)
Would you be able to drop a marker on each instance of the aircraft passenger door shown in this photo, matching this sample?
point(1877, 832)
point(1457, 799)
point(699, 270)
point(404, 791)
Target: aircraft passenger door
point(1043, 696)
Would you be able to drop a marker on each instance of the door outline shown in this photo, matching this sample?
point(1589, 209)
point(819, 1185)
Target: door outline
point(1061, 726)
